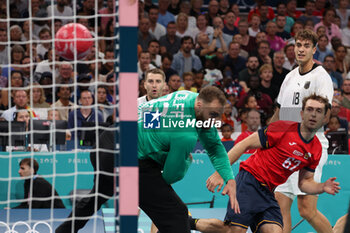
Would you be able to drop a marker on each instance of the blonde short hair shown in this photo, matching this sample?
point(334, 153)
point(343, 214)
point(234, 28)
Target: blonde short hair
point(265, 67)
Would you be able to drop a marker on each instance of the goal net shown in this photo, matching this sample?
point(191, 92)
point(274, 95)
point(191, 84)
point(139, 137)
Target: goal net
point(60, 127)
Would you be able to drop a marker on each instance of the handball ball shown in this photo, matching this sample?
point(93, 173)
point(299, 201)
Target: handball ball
point(73, 37)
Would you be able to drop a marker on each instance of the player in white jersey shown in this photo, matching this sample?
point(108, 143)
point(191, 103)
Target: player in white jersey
point(154, 84)
point(302, 81)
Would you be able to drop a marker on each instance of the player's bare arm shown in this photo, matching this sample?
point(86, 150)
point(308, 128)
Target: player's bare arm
point(251, 142)
point(308, 185)
point(276, 116)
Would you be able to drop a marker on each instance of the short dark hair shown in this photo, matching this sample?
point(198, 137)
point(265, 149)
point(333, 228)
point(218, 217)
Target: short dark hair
point(252, 55)
point(45, 75)
point(25, 57)
point(279, 15)
point(58, 89)
point(280, 3)
point(167, 55)
point(205, 15)
point(329, 9)
point(171, 22)
point(227, 126)
point(31, 163)
point(318, 98)
point(263, 4)
point(153, 7)
point(109, 77)
point(143, 51)
point(233, 42)
point(104, 87)
point(287, 46)
point(87, 90)
point(174, 75)
point(263, 42)
point(230, 11)
point(329, 55)
point(153, 40)
point(42, 31)
point(183, 39)
point(109, 49)
point(311, 1)
point(17, 71)
point(297, 22)
point(321, 36)
point(210, 93)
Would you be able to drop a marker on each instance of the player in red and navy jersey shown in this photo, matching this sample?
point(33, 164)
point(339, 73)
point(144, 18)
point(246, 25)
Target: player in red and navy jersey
point(284, 147)
point(293, 153)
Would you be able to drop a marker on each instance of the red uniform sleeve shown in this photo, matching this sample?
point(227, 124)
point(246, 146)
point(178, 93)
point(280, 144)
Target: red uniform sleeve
point(270, 135)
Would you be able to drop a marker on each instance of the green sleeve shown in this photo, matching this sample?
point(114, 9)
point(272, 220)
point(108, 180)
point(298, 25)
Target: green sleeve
point(210, 140)
point(178, 161)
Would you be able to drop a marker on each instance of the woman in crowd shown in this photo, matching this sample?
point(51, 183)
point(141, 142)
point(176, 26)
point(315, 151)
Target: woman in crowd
point(38, 99)
point(342, 66)
point(202, 25)
point(182, 28)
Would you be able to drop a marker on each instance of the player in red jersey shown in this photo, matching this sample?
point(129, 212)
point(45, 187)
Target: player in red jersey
point(284, 147)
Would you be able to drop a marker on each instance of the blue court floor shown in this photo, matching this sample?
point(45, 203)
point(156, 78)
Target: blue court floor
point(17, 220)
point(219, 213)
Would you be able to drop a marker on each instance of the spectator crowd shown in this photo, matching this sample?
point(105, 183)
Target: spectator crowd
point(35, 78)
point(246, 55)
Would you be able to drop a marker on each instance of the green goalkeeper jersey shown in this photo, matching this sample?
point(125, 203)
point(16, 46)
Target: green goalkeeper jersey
point(168, 132)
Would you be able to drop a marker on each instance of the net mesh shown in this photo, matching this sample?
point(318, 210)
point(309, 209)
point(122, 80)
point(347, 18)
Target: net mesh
point(65, 105)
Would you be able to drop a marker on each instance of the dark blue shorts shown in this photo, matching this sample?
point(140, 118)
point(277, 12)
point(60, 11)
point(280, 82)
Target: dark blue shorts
point(257, 203)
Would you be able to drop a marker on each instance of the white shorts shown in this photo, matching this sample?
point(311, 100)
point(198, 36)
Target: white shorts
point(291, 189)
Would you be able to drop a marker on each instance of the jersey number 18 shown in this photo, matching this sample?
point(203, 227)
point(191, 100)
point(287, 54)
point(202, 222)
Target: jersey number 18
point(296, 98)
